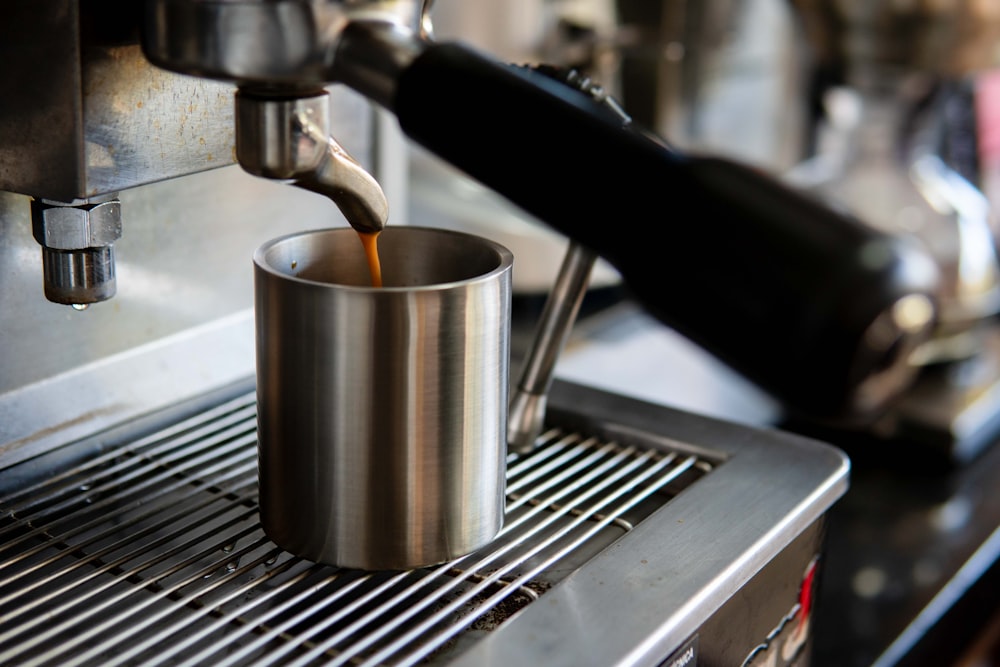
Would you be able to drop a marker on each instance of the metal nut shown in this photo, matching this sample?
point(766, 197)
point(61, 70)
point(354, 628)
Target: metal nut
point(69, 227)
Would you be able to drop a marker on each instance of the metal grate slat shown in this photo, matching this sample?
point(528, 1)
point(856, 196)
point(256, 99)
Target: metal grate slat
point(151, 553)
point(394, 618)
point(536, 547)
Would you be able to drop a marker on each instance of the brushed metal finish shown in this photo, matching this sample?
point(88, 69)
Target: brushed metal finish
point(85, 113)
point(637, 602)
point(382, 411)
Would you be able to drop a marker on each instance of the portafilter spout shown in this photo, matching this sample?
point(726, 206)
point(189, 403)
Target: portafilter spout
point(286, 137)
point(815, 307)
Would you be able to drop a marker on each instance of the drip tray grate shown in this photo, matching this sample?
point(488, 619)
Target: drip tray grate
point(150, 552)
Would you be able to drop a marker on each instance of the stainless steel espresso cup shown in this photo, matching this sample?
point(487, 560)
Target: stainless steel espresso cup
point(382, 411)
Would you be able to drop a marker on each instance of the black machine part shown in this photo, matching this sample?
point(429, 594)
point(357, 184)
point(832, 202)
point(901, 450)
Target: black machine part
point(813, 305)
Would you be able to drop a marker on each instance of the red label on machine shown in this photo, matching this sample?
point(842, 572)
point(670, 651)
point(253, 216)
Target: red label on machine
point(783, 645)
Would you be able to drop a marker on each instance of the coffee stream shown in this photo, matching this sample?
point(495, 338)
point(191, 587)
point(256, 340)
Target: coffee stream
point(370, 241)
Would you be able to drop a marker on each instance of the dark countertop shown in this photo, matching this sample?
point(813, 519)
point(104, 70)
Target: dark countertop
point(912, 569)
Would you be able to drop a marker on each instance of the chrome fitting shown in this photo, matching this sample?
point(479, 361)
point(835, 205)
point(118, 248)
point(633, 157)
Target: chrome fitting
point(77, 240)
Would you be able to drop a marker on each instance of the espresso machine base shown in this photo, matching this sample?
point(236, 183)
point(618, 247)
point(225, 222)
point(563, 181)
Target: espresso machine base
point(633, 533)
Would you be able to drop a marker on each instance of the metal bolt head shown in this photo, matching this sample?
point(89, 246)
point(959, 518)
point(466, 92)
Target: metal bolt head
point(76, 226)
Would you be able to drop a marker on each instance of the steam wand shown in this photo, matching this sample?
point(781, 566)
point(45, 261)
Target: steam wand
point(528, 401)
point(526, 415)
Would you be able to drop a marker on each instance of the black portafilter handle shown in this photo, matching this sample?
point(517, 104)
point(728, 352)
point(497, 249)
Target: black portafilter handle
point(815, 307)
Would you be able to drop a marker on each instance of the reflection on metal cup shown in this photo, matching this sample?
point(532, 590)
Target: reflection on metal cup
point(382, 410)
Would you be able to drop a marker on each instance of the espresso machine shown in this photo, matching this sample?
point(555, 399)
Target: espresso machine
point(147, 149)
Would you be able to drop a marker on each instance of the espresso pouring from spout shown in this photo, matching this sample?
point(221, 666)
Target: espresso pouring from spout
point(811, 304)
point(287, 138)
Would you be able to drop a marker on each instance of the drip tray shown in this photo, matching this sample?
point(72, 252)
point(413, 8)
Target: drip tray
point(146, 549)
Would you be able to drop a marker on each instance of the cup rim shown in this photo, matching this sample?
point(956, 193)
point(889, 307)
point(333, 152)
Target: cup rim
point(504, 255)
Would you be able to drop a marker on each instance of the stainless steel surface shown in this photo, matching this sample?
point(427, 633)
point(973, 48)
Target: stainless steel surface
point(530, 394)
point(221, 591)
point(79, 278)
point(142, 545)
point(193, 37)
point(77, 225)
point(182, 325)
point(383, 410)
point(281, 119)
point(85, 113)
point(364, 45)
point(289, 139)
